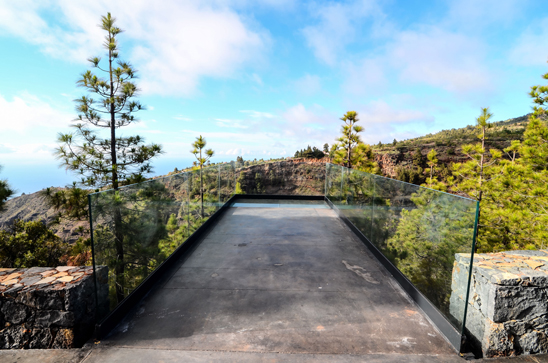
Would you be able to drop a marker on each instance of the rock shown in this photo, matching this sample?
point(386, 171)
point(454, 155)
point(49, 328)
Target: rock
point(40, 339)
point(14, 313)
point(64, 339)
point(508, 301)
point(533, 342)
point(42, 299)
point(47, 318)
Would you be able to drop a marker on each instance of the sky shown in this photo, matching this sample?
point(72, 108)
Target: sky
point(262, 79)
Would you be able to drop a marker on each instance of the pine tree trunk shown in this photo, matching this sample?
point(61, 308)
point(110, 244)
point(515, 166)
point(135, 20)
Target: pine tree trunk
point(201, 184)
point(118, 235)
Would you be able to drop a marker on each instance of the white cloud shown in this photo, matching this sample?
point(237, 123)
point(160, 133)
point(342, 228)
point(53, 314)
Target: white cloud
point(230, 123)
point(313, 125)
point(474, 15)
point(179, 42)
point(181, 118)
point(27, 112)
point(258, 114)
point(308, 84)
point(338, 25)
point(365, 77)
point(380, 112)
point(385, 122)
point(443, 59)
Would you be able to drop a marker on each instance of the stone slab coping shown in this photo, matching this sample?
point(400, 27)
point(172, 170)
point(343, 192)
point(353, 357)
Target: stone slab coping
point(15, 280)
point(511, 268)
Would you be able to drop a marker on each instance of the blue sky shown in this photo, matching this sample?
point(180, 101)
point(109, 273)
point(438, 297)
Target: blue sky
point(263, 79)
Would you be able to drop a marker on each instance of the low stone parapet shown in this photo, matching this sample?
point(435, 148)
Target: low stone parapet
point(48, 307)
point(508, 302)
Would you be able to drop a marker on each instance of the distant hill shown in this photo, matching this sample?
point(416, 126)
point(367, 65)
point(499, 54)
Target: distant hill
point(447, 144)
point(33, 207)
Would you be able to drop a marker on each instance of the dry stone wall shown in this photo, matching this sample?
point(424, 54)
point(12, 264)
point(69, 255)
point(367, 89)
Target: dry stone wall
point(508, 303)
point(45, 307)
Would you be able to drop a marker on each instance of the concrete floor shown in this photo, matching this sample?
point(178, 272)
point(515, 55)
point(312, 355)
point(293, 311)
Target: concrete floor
point(278, 280)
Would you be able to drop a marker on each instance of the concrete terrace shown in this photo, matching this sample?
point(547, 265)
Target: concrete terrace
point(281, 280)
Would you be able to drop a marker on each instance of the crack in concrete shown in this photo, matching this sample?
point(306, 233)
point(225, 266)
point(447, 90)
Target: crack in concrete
point(360, 271)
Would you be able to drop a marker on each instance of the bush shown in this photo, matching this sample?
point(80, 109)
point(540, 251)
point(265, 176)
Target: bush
point(30, 244)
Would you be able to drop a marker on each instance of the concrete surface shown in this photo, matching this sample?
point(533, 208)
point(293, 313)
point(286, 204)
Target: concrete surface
point(278, 280)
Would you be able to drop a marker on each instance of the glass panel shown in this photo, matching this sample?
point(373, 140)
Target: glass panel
point(358, 198)
point(137, 227)
point(333, 184)
point(418, 229)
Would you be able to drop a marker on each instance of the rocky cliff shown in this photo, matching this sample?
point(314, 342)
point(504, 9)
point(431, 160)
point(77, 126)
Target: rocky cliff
point(290, 177)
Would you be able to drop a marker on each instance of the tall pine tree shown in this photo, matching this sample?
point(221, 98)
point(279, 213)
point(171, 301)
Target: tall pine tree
point(112, 159)
point(475, 177)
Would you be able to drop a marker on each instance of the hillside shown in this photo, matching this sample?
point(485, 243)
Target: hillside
point(33, 207)
point(447, 144)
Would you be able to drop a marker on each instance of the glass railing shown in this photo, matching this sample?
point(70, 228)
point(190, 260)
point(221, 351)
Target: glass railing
point(139, 226)
point(419, 230)
point(136, 228)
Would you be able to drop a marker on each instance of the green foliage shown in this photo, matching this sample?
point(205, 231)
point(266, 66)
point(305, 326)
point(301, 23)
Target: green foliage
point(426, 240)
point(432, 181)
point(413, 175)
point(238, 189)
point(418, 158)
point(5, 192)
point(350, 151)
point(202, 156)
point(310, 153)
point(30, 244)
point(71, 203)
point(107, 161)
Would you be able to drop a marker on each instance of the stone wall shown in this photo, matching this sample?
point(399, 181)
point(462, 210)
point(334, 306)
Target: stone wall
point(508, 303)
point(45, 307)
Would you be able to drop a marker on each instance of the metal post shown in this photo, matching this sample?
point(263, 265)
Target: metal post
point(325, 184)
point(93, 260)
point(470, 267)
point(342, 179)
point(371, 237)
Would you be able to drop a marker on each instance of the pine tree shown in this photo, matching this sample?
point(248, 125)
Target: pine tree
point(202, 156)
point(476, 177)
point(114, 159)
point(350, 151)
point(433, 182)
